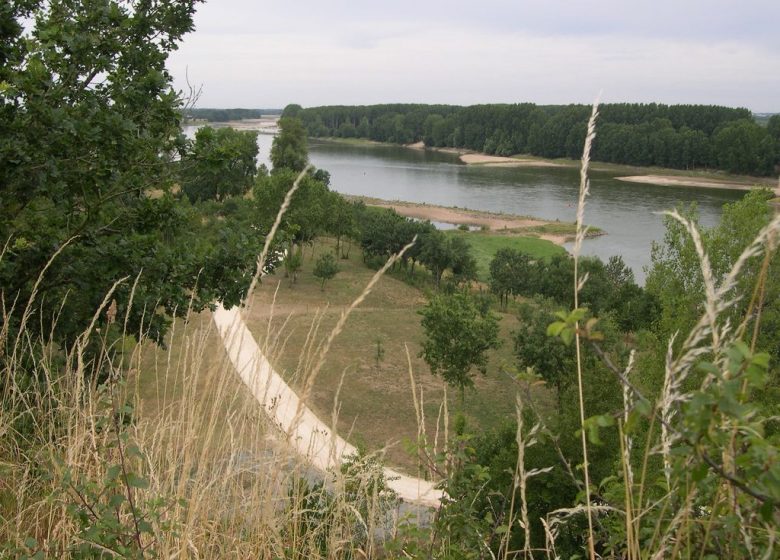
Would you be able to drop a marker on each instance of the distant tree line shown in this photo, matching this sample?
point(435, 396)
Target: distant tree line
point(224, 115)
point(652, 134)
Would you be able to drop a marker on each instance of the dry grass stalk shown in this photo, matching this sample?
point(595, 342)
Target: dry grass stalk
point(312, 376)
point(578, 283)
point(260, 267)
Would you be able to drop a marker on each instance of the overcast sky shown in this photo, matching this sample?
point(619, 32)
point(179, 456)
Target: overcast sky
point(248, 53)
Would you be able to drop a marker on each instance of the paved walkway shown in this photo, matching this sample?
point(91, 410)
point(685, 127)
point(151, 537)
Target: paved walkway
point(312, 438)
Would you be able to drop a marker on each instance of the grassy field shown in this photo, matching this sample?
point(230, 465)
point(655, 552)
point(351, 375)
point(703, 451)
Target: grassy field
point(484, 246)
point(375, 403)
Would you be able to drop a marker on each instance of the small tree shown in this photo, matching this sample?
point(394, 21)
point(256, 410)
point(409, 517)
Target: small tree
point(457, 338)
point(292, 263)
point(221, 163)
point(289, 150)
point(550, 358)
point(325, 268)
point(510, 274)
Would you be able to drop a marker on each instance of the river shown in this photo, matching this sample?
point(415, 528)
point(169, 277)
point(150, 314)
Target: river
point(626, 211)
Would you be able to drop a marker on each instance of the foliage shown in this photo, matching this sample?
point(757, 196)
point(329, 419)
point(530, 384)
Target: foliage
point(457, 337)
point(436, 252)
point(485, 244)
point(552, 360)
point(341, 220)
point(289, 150)
point(90, 126)
point(109, 513)
point(610, 288)
point(293, 262)
point(510, 274)
point(221, 163)
point(384, 232)
point(744, 147)
point(646, 134)
point(354, 498)
point(307, 215)
point(325, 268)
point(677, 281)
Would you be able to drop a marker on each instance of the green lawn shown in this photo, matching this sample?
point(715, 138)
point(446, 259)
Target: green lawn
point(484, 246)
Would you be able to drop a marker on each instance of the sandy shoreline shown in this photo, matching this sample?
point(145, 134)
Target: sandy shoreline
point(742, 183)
point(677, 181)
point(501, 161)
point(476, 158)
point(508, 224)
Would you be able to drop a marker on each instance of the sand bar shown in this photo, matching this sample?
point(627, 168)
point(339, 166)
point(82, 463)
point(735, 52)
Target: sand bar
point(476, 158)
point(677, 181)
point(509, 224)
point(501, 161)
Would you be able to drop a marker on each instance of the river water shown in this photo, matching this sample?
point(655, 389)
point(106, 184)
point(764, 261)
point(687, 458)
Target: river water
point(626, 211)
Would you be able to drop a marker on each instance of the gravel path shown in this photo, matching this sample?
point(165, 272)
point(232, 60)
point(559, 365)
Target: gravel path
point(312, 438)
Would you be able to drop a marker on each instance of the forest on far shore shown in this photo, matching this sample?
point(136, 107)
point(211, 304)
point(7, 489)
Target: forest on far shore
point(225, 115)
point(642, 134)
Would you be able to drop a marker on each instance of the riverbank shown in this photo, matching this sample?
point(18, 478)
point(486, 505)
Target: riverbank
point(497, 222)
point(645, 175)
point(263, 125)
point(676, 181)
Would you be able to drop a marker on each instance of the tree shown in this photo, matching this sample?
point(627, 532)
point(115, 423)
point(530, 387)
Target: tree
point(340, 220)
point(325, 268)
point(221, 163)
point(289, 150)
point(547, 355)
point(675, 278)
point(90, 125)
point(773, 127)
point(457, 338)
point(744, 147)
point(510, 274)
point(293, 262)
point(306, 216)
point(462, 262)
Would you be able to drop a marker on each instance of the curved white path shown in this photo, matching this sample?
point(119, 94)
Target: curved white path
point(312, 438)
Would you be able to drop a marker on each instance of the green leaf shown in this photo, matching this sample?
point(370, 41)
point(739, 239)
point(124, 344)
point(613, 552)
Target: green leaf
point(135, 481)
point(643, 407)
point(116, 500)
point(113, 472)
point(554, 329)
point(767, 512)
point(699, 472)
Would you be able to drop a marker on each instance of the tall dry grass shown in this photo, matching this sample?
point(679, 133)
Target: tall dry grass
point(170, 457)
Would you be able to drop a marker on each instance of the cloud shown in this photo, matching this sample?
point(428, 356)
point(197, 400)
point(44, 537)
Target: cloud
point(364, 56)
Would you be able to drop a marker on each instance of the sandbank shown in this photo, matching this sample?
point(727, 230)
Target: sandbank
point(676, 181)
point(476, 158)
point(501, 161)
point(497, 222)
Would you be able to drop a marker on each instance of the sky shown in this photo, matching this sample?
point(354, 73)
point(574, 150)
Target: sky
point(266, 54)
